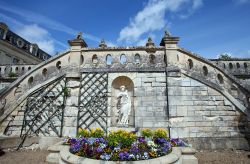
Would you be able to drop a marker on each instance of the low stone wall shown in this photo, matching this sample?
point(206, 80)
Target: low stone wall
point(179, 155)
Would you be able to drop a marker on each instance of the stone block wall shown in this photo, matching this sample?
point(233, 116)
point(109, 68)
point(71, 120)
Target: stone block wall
point(149, 98)
point(198, 111)
point(12, 125)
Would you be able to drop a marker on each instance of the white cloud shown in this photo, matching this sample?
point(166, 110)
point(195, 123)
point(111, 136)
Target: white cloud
point(41, 37)
point(197, 4)
point(142, 42)
point(45, 21)
point(152, 17)
point(35, 34)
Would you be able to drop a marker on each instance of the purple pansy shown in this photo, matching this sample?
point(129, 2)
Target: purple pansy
point(124, 155)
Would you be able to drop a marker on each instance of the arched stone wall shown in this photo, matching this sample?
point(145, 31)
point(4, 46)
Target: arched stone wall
point(150, 102)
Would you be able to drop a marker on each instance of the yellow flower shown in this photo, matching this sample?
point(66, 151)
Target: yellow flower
point(152, 154)
point(161, 133)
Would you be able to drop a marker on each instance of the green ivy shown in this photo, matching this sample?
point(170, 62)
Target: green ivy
point(66, 91)
point(12, 74)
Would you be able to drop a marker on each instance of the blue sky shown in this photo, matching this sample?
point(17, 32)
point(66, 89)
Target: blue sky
point(206, 27)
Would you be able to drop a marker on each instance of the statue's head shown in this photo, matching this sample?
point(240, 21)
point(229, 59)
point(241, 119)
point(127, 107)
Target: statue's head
point(122, 88)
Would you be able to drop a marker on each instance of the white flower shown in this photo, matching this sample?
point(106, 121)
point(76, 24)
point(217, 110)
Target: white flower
point(151, 144)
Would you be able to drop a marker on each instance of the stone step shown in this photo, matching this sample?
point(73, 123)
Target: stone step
point(53, 158)
point(46, 142)
point(56, 148)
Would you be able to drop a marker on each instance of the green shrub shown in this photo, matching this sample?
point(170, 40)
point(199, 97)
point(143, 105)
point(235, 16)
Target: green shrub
point(147, 133)
point(161, 133)
point(66, 92)
point(121, 136)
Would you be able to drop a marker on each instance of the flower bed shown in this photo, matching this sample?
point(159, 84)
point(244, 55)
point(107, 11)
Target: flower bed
point(121, 145)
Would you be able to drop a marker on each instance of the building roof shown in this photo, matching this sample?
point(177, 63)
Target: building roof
point(14, 39)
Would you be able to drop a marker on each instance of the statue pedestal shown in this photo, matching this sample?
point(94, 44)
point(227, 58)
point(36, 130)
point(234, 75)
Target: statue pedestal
point(122, 125)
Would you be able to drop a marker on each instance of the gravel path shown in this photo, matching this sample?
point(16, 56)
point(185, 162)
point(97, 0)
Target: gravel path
point(24, 157)
point(223, 157)
point(205, 157)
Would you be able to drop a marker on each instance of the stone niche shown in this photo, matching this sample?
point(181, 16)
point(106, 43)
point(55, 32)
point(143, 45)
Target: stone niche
point(115, 91)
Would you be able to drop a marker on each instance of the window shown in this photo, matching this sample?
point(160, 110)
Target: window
point(15, 61)
point(230, 65)
point(44, 72)
point(109, 60)
point(123, 59)
point(205, 71)
point(30, 81)
point(152, 59)
point(190, 63)
point(94, 59)
point(245, 65)
point(137, 59)
point(238, 65)
point(220, 78)
point(45, 57)
point(58, 65)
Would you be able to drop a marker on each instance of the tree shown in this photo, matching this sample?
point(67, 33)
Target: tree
point(225, 56)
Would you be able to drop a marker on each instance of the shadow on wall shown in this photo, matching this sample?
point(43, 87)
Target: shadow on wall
point(244, 129)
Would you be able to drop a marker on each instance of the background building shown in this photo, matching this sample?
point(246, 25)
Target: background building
point(17, 55)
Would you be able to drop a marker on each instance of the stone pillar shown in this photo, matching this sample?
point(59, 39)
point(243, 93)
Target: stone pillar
point(75, 57)
point(71, 108)
point(73, 83)
point(170, 44)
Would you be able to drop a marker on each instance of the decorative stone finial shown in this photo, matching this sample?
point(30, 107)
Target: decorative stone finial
point(167, 33)
point(169, 40)
point(78, 41)
point(150, 42)
point(3, 26)
point(102, 44)
point(79, 35)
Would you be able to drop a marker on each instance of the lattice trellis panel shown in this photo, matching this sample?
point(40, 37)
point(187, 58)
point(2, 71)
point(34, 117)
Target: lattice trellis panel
point(44, 111)
point(93, 101)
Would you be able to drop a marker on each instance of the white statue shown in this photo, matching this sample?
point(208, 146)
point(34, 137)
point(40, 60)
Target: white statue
point(123, 106)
